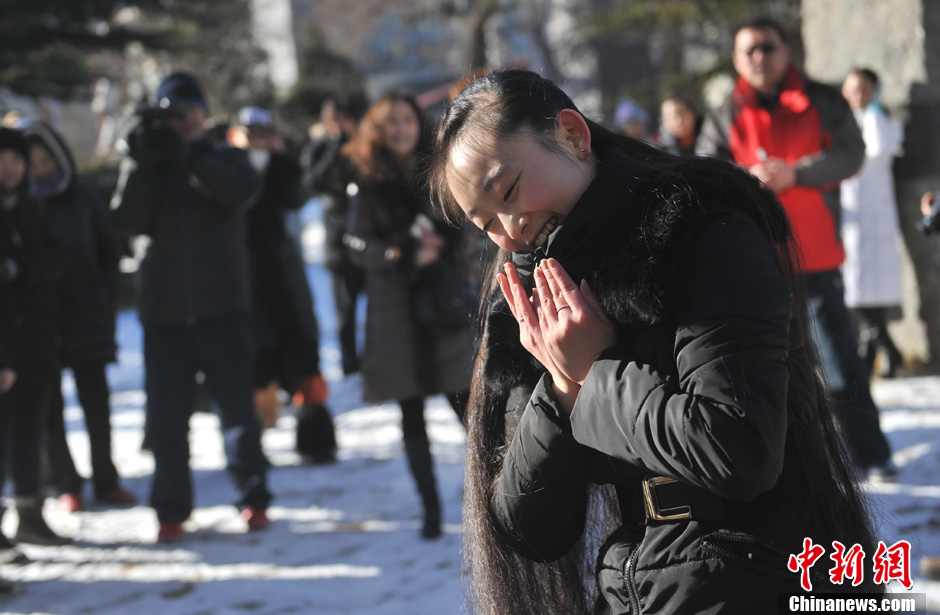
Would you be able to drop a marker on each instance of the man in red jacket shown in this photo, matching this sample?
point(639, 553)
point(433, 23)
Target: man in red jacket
point(800, 139)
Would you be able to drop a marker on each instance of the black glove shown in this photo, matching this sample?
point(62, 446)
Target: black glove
point(155, 141)
point(9, 270)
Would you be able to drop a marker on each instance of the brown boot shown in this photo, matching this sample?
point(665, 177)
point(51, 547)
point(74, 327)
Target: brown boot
point(32, 528)
point(267, 405)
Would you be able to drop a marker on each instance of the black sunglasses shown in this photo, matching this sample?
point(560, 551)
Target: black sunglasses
point(765, 48)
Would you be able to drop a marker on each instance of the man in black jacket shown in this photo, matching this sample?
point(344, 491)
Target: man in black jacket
point(190, 195)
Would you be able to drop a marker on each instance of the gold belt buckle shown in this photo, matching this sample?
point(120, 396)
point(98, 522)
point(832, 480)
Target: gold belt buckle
point(653, 512)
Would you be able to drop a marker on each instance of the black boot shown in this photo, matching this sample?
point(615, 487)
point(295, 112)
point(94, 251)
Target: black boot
point(893, 361)
point(32, 527)
point(422, 468)
point(316, 434)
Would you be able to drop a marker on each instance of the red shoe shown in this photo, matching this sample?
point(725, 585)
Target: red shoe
point(71, 502)
point(170, 532)
point(257, 518)
point(119, 496)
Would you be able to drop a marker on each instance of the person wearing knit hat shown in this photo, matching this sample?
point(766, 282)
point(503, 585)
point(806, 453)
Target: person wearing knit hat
point(28, 266)
point(630, 119)
point(190, 197)
point(179, 90)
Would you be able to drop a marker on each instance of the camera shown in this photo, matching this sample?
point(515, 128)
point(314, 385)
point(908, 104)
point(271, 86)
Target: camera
point(931, 224)
point(153, 138)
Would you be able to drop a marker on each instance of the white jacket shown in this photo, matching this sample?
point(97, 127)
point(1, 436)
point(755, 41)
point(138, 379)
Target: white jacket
point(872, 268)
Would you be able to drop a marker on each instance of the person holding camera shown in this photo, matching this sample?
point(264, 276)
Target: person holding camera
point(189, 195)
point(410, 354)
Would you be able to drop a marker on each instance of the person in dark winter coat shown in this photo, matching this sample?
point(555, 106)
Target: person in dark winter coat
point(392, 234)
point(285, 324)
point(79, 222)
point(645, 397)
point(190, 196)
point(29, 264)
point(326, 173)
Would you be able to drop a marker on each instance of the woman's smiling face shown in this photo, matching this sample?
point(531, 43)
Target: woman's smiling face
point(517, 190)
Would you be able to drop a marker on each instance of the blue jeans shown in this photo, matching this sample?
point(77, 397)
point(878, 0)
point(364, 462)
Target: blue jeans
point(843, 370)
point(222, 348)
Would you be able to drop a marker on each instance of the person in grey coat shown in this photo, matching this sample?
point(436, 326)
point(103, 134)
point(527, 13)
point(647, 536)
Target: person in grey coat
point(645, 401)
point(392, 235)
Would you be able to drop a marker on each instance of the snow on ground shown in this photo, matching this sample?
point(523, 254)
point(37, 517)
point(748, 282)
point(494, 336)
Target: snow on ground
point(344, 538)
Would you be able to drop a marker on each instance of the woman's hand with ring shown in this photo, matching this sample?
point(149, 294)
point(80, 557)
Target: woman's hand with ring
point(574, 328)
point(527, 313)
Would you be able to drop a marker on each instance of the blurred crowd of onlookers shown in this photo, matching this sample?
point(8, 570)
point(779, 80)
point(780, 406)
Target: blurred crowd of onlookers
point(226, 306)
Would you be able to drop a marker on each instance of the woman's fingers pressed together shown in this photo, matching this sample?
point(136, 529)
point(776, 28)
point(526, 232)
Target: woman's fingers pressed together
point(503, 282)
point(516, 296)
point(544, 297)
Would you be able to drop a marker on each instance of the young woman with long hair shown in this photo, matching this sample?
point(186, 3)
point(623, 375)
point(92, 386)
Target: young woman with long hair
point(647, 431)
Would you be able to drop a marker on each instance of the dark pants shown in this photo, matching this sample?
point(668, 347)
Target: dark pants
point(872, 324)
point(22, 412)
point(221, 347)
point(91, 383)
point(843, 369)
point(348, 282)
point(412, 413)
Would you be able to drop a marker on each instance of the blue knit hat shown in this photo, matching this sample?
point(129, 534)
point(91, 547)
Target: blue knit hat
point(255, 116)
point(179, 89)
point(627, 112)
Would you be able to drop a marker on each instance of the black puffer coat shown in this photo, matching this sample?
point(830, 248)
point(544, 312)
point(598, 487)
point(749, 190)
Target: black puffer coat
point(194, 213)
point(80, 223)
point(402, 358)
point(710, 384)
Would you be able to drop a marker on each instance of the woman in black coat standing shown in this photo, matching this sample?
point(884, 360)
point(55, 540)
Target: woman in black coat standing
point(393, 236)
point(80, 223)
point(645, 401)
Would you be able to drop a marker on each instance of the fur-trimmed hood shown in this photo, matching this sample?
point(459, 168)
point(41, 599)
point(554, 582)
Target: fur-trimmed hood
point(626, 237)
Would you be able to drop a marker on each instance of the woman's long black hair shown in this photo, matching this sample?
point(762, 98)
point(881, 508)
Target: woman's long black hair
point(513, 102)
